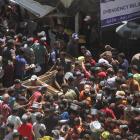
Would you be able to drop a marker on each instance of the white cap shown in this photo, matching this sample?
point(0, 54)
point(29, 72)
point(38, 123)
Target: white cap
point(56, 132)
point(120, 94)
point(99, 96)
point(35, 106)
point(68, 75)
point(87, 18)
point(75, 36)
point(74, 106)
point(42, 33)
point(2, 40)
point(24, 117)
point(95, 125)
point(34, 77)
point(37, 69)
point(94, 111)
point(63, 121)
point(43, 39)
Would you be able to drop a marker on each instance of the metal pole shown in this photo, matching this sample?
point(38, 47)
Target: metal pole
point(77, 23)
point(99, 20)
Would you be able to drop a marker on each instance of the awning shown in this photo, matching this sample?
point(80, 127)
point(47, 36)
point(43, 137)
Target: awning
point(34, 7)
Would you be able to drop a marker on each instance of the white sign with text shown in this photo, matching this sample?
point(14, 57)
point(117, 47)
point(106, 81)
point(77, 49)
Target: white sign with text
point(116, 11)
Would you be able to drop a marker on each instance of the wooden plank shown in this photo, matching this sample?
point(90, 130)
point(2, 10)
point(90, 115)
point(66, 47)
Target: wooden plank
point(47, 76)
point(44, 80)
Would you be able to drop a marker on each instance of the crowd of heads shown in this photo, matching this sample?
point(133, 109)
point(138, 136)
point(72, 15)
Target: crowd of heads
point(99, 100)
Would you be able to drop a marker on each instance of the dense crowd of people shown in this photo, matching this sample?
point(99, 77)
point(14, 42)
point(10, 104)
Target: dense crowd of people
point(100, 97)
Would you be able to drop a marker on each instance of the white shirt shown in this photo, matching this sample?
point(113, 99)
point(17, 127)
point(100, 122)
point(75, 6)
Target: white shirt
point(9, 136)
point(111, 82)
point(60, 138)
point(104, 61)
point(14, 120)
point(33, 116)
point(36, 128)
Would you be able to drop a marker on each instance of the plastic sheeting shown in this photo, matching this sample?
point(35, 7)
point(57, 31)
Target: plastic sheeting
point(34, 7)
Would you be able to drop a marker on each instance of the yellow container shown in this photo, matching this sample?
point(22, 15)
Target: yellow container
point(81, 59)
